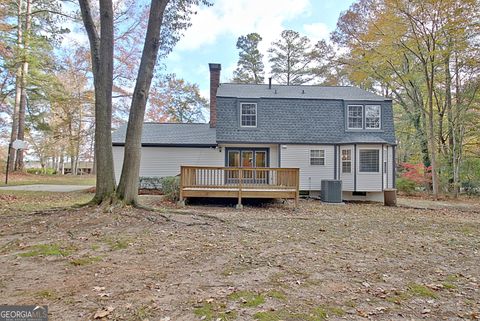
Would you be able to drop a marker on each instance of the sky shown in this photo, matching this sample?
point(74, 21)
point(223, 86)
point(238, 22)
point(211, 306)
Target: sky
point(214, 32)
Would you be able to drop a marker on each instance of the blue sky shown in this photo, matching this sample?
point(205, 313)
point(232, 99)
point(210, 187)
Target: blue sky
point(214, 32)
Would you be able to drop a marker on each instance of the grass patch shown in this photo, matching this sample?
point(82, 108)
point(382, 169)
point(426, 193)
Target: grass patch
point(421, 291)
point(320, 313)
point(46, 294)
point(324, 311)
point(275, 294)
point(29, 179)
point(450, 281)
point(211, 311)
point(247, 298)
point(143, 312)
point(283, 315)
point(117, 244)
point(449, 286)
point(47, 250)
point(398, 297)
point(86, 260)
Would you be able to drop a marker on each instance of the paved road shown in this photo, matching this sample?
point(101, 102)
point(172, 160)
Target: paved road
point(46, 188)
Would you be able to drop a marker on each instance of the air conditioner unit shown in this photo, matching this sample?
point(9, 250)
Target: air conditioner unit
point(331, 191)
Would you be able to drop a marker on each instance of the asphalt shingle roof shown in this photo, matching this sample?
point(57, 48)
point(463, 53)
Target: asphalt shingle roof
point(171, 134)
point(296, 92)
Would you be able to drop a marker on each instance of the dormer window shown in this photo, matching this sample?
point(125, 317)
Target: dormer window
point(364, 117)
point(372, 116)
point(355, 117)
point(248, 115)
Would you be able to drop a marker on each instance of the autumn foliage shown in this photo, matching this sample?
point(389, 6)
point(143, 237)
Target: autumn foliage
point(417, 173)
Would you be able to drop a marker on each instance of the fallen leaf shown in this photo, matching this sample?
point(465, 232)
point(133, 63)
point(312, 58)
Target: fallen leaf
point(103, 313)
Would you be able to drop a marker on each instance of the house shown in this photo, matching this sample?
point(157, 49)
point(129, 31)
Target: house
point(342, 133)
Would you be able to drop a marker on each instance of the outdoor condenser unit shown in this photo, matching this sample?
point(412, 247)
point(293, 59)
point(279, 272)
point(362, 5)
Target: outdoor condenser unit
point(331, 191)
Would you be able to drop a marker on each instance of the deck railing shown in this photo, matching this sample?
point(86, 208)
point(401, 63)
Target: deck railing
point(251, 179)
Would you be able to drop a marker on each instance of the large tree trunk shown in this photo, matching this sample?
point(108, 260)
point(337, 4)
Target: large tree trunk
point(128, 186)
point(23, 96)
point(18, 90)
point(101, 49)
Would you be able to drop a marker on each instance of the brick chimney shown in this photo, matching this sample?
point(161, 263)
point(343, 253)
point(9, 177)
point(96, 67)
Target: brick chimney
point(214, 83)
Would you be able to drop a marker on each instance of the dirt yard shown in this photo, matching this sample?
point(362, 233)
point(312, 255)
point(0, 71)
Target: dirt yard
point(322, 262)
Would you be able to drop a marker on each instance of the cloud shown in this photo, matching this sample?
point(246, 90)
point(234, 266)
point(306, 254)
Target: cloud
point(235, 18)
point(316, 31)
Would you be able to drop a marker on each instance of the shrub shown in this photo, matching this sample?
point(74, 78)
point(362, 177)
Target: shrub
point(150, 182)
point(406, 186)
point(417, 173)
point(42, 171)
point(471, 188)
point(171, 188)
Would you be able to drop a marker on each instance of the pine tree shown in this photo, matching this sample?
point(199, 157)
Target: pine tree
point(249, 66)
point(292, 58)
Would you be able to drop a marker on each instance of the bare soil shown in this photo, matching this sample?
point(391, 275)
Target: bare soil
point(320, 262)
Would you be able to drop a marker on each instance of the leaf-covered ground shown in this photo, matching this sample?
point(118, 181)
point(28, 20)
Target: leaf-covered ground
point(322, 262)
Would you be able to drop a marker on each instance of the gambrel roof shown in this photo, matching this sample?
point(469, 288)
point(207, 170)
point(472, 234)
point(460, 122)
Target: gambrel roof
point(295, 92)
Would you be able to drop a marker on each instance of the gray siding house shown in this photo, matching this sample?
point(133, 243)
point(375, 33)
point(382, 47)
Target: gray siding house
point(342, 133)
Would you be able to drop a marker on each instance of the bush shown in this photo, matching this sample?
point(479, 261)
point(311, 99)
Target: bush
point(42, 171)
point(406, 186)
point(471, 188)
point(171, 188)
point(150, 182)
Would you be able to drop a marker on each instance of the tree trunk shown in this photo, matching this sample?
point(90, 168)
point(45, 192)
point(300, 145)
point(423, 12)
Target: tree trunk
point(128, 186)
point(18, 91)
point(23, 95)
point(102, 65)
point(431, 129)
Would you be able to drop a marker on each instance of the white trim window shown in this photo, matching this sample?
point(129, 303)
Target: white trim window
point(369, 160)
point(372, 116)
point(317, 157)
point(346, 161)
point(248, 115)
point(355, 117)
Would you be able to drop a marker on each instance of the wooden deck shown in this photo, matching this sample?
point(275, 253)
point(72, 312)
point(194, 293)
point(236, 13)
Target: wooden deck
point(234, 182)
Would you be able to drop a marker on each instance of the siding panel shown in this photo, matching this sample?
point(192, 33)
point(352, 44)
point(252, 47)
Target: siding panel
point(390, 165)
point(310, 175)
point(166, 161)
point(369, 182)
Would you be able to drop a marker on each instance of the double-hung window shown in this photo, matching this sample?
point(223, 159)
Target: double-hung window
point(317, 157)
point(346, 160)
point(369, 160)
point(372, 116)
point(364, 117)
point(248, 115)
point(355, 117)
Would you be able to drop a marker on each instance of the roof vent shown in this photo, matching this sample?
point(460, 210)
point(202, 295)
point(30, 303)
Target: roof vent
point(275, 91)
point(303, 91)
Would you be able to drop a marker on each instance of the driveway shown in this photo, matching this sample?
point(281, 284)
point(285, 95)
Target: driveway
point(46, 188)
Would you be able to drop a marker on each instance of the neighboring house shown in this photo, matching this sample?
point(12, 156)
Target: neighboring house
point(83, 167)
point(342, 133)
